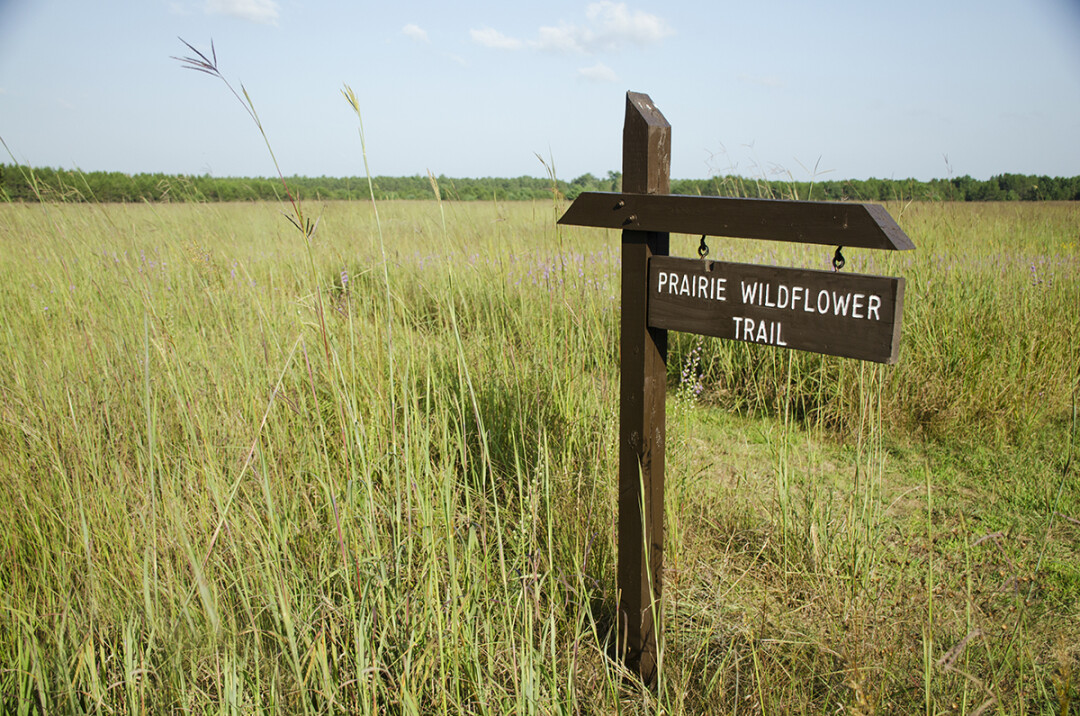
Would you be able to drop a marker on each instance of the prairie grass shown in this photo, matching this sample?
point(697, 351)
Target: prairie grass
point(222, 498)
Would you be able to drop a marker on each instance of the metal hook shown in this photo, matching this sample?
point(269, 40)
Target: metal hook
point(838, 259)
point(703, 248)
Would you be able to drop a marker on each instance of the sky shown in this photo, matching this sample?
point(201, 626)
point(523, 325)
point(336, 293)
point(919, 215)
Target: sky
point(778, 90)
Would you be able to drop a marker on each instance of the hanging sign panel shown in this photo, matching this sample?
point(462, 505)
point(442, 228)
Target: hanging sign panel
point(841, 314)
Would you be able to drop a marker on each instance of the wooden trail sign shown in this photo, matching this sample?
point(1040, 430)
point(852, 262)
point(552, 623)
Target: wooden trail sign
point(820, 311)
point(838, 314)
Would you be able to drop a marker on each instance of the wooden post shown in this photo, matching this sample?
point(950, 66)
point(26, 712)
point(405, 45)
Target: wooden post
point(646, 170)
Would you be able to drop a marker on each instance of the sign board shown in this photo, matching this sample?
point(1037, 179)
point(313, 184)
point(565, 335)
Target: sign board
point(840, 314)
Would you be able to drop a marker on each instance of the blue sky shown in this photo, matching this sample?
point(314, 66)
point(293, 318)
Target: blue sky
point(774, 89)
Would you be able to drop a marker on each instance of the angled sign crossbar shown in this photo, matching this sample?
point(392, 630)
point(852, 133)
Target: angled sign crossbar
point(866, 226)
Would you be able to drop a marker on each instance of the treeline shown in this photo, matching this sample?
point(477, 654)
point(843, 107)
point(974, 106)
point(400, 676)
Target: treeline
point(20, 183)
point(1003, 187)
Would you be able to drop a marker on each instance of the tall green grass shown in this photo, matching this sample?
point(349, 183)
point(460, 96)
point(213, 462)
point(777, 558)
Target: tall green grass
point(202, 516)
point(220, 498)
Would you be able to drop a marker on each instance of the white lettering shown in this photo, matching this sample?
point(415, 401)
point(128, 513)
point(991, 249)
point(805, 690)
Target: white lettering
point(779, 296)
point(857, 306)
point(705, 287)
point(872, 308)
point(840, 303)
point(749, 292)
point(768, 332)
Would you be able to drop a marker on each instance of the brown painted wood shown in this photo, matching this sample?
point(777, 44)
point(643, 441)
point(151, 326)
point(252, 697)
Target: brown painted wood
point(642, 415)
point(834, 313)
point(811, 222)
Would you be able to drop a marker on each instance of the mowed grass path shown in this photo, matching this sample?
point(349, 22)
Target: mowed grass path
point(239, 477)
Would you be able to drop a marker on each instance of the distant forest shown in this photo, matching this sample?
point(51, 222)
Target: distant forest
point(20, 183)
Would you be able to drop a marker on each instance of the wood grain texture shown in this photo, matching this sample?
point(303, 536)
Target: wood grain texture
point(642, 392)
point(866, 226)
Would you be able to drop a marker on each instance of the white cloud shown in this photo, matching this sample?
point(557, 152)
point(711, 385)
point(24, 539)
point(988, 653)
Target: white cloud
point(415, 32)
point(564, 38)
point(262, 11)
point(616, 25)
point(490, 37)
point(609, 26)
point(598, 73)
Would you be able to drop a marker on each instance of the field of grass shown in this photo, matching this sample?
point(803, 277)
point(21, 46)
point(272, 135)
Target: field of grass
point(378, 476)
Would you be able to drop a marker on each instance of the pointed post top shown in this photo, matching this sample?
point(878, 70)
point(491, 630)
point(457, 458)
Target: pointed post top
point(646, 147)
point(643, 105)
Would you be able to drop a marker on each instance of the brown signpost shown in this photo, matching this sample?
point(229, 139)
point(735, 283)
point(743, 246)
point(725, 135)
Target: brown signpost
point(824, 312)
